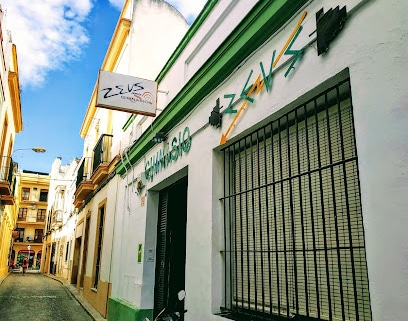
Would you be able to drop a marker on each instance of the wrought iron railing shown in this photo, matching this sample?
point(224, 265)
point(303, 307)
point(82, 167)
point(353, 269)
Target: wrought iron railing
point(101, 154)
point(102, 151)
point(85, 171)
point(6, 169)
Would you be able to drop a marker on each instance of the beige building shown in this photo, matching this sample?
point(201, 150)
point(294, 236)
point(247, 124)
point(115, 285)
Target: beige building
point(31, 206)
point(10, 124)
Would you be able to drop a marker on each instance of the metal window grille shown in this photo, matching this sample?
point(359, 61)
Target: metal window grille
point(294, 238)
point(101, 151)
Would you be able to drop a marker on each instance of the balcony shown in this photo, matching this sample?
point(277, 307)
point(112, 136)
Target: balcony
point(30, 220)
point(56, 218)
point(28, 240)
point(84, 184)
point(101, 159)
point(6, 180)
point(94, 170)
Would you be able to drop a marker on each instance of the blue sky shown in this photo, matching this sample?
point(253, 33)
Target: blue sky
point(61, 45)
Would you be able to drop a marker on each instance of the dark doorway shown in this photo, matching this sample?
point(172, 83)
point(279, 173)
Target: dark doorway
point(53, 266)
point(171, 245)
point(84, 253)
point(75, 261)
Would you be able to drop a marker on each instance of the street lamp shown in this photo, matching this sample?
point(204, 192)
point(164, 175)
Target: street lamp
point(28, 260)
point(38, 149)
point(34, 149)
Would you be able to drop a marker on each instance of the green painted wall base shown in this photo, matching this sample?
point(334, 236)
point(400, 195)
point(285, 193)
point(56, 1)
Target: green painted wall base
point(119, 310)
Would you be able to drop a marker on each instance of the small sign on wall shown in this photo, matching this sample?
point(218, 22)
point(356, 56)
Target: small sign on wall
point(139, 253)
point(150, 255)
point(126, 93)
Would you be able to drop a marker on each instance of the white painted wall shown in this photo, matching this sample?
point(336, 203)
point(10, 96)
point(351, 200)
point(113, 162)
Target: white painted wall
point(374, 46)
point(63, 177)
point(156, 30)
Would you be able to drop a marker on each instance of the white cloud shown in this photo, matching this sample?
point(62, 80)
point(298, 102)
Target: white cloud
point(118, 4)
point(48, 34)
point(188, 8)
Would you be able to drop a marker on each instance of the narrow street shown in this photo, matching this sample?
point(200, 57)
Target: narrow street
point(38, 297)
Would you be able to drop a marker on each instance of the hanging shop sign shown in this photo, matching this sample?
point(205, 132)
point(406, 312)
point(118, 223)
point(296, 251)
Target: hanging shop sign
point(126, 93)
point(327, 26)
point(170, 153)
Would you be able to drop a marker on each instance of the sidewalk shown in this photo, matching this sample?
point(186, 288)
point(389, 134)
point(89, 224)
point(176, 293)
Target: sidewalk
point(82, 301)
point(3, 277)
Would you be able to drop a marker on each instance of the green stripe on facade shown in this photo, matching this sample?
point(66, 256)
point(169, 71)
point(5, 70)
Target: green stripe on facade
point(259, 25)
point(119, 310)
point(183, 43)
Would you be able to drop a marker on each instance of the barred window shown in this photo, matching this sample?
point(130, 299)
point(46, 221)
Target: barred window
point(293, 221)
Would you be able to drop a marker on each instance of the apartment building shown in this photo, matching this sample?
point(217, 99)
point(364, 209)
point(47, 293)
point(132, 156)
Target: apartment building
point(31, 206)
point(11, 124)
point(60, 221)
point(142, 24)
point(274, 182)
point(271, 182)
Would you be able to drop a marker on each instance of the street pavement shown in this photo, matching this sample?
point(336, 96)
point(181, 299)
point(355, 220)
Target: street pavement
point(41, 297)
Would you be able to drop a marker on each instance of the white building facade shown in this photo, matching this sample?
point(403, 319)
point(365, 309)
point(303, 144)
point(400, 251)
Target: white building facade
point(61, 220)
point(146, 34)
point(293, 204)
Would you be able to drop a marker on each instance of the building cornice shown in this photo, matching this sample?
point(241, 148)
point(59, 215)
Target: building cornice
point(118, 40)
point(14, 89)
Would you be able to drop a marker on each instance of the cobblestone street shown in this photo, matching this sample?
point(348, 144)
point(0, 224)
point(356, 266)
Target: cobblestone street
point(38, 297)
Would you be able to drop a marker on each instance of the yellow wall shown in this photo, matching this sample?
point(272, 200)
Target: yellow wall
point(38, 181)
point(98, 298)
